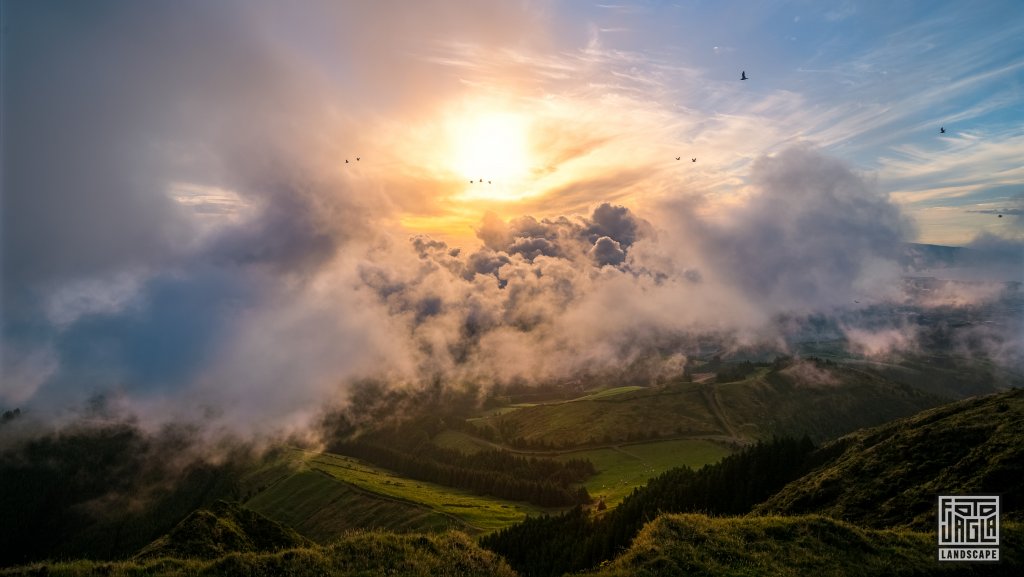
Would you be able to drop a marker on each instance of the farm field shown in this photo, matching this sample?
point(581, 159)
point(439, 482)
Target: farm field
point(479, 513)
point(625, 467)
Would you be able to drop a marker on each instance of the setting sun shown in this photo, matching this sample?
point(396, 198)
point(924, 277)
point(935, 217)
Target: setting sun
point(492, 148)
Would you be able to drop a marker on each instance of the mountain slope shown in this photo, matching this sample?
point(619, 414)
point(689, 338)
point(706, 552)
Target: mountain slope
point(691, 544)
point(221, 529)
point(818, 398)
point(891, 475)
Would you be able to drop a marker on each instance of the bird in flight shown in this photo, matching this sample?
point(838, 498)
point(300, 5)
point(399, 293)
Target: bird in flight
point(693, 160)
point(679, 158)
point(942, 130)
point(357, 159)
point(743, 75)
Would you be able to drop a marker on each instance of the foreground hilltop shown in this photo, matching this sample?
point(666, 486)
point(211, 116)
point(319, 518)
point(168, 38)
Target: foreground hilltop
point(674, 545)
point(891, 475)
point(864, 502)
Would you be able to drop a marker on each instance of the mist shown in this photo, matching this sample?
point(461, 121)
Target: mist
point(184, 235)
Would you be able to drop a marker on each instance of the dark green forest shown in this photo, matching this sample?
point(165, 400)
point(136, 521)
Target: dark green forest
point(553, 545)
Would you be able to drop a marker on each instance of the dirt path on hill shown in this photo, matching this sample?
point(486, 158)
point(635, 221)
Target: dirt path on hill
point(710, 394)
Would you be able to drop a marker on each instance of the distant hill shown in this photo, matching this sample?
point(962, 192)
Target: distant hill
point(691, 544)
point(821, 399)
point(930, 256)
point(891, 475)
point(220, 529)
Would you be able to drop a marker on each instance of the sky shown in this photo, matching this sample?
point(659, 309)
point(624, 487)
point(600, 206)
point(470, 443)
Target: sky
point(240, 208)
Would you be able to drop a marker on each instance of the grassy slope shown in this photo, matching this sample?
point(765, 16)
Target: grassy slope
point(220, 529)
point(322, 495)
point(675, 409)
point(322, 508)
point(623, 468)
point(891, 474)
point(805, 545)
point(356, 554)
point(823, 401)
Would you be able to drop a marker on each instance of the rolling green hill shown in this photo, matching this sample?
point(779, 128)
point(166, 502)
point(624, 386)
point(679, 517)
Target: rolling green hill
point(322, 495)
point(822, 399)
point(691, 544)
point(891, 475)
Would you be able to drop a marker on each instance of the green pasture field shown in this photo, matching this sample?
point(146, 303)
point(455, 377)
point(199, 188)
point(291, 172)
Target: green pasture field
point(481, 514)
point(624, 468)
point(459, 441)
point(609, 393)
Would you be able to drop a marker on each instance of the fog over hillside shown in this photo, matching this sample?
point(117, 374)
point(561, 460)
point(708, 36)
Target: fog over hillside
point(181, 240)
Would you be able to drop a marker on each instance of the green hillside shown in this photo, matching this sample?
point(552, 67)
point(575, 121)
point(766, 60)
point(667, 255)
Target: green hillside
point(623, 468)
point(323, 495)
point(691, 544)
point(359, 554)
point(322, 508)
point(223, 528)
point(891, 475)
point(822, 399)
point(818, 398)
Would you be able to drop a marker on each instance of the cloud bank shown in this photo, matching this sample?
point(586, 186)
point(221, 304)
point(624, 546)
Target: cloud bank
point(183, 234)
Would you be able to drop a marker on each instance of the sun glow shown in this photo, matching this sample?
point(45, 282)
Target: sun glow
point(491, 149)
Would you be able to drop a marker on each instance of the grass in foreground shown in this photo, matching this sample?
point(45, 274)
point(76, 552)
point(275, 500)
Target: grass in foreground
point(356, 554)
point(693, 544)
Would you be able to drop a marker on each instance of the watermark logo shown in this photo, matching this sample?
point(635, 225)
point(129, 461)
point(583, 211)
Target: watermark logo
point(968, 527)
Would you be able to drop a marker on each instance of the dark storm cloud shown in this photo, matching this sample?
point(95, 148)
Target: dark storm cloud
point(605, 235)
point(607, 251)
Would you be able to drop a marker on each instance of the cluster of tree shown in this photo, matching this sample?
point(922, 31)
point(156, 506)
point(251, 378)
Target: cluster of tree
point(544, 482)
point(573, 541)
point(737, 371)
point(406, 446)
point(507, 433)
point(102, 491)
point(9, 415)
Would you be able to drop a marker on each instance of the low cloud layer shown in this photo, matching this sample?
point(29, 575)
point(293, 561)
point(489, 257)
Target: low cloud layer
point(184, 234)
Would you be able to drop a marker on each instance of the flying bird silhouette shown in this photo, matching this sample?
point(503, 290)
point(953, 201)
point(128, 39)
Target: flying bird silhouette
point(942, 130)
point(693, 160)
point(357, 159)
point(743, 75)
point(679, 158)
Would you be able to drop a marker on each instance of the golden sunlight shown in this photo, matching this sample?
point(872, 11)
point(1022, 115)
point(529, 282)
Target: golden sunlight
point(491, 149)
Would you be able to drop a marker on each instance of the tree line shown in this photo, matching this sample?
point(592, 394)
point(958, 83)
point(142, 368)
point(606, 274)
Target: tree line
point(573, 541)
point(544, 482)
